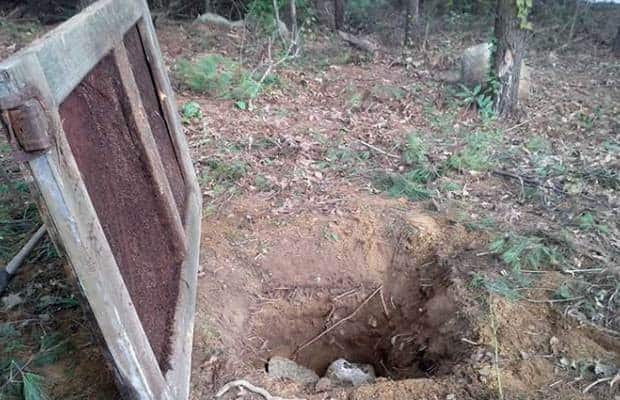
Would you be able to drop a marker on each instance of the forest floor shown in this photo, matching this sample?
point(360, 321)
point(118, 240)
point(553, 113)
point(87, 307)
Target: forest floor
point(479, 257)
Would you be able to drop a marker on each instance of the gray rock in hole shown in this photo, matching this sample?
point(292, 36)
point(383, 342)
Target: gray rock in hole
point(344, 373)
point(280, 367)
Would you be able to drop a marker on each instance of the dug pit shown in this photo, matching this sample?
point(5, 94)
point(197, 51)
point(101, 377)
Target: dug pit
point(372, 288)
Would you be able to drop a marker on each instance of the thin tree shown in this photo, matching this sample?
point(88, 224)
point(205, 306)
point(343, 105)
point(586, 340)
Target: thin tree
point(616, 44)
point(292, 6)
point(339, 14)
point(511, 33)
point(412, 15)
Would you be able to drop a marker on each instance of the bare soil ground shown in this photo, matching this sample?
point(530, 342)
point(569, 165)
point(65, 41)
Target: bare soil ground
point(301, 231)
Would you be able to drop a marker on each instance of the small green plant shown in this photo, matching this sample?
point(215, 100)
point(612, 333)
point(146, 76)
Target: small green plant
point(588, 222)
point(342, 158)
point(523, 11)
point(409, 185)
point(221, 173)
point(415, 152)
point(478, 154)
point(526, 252)
point(221, 77)
point(388, 92)
point(191, 111)
point(478, 97)
point(537, 144)
point(477, 224)
point(508, 285)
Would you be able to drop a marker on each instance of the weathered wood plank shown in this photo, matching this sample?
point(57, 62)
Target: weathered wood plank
point(55, 65)
point(179, 374)
point(67, 53)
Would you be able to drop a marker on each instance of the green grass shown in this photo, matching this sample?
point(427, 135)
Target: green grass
point(219, 172)
point(191, 111)
point(509, 285)
point(526, 252)
point(589, 223)
point(478, 154)
point(221, 77)
point(408, 185)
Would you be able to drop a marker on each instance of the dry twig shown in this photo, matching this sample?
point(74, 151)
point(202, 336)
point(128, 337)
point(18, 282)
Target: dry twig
point(247, 385)
point(335, 325)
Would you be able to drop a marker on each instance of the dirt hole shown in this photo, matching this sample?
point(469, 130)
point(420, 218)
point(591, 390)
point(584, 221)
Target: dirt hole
point(275, 287)
point(409, 328)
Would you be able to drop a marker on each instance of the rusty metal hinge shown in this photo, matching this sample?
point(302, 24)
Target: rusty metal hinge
point(30, 126)
point(27, 121)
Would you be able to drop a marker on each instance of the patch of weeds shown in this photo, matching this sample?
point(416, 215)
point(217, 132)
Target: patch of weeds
point(354, 97)
point(478, 97)
point(478, 153)
point(344, 159)
point(546, 166)
point(537, 144)
point(191, 112)
point(607, 178)
point(450, 187)
point(508, 285)
point(526, 252)
point(586, 121)
point(415, 152)
point(589, 223)
point(221, 77)
point(388, 92)
point(483, 224)
point(221, 175)
point(262, 183)
point(441, 120)
point(403, 185)
point(18, 380)
point(413, 183)
point(22, 31)
point(51, 348)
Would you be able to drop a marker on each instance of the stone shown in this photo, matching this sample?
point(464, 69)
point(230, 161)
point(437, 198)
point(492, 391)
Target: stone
point(476, 65)
point(280, 367)
point(344, 373)
point(323, 385)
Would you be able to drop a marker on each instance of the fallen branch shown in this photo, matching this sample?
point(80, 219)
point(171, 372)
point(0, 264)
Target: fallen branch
point(362, 44)
point(218, 20)
point(378, 150)
point(602, 380)
point(16, 262)
point(254, 389)
point(334, 326)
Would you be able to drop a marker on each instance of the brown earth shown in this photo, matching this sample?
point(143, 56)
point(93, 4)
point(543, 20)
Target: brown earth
point(286, 257)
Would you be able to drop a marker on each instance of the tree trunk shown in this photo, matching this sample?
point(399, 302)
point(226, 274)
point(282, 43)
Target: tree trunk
point(616, 44)
point(339, 14)
point(509, 53)
point(412, 15)
point(292, 7)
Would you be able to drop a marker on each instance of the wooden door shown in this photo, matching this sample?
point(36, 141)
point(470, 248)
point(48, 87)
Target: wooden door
point(90, 111)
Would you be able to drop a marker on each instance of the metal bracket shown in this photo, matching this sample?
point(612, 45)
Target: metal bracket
point(24, 115)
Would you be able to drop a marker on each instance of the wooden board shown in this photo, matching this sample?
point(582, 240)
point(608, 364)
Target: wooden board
point(90, 110)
